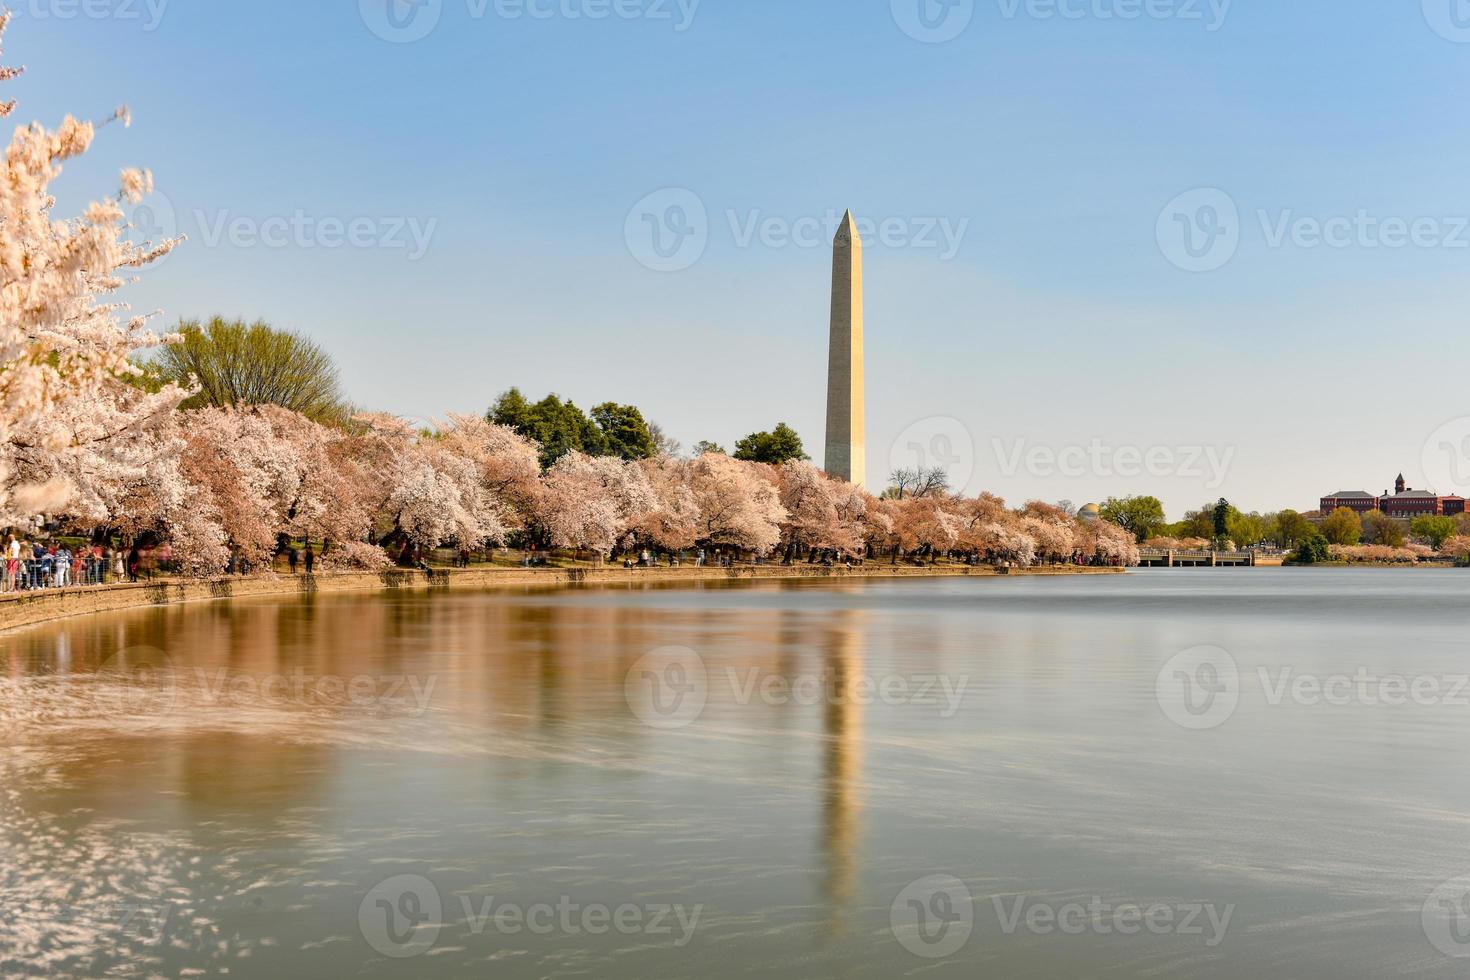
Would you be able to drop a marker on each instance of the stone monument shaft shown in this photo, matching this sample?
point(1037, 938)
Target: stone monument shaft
point(846, 451)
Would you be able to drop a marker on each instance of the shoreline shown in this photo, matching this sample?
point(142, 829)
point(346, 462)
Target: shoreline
point(1375, 564)
point(19, 610)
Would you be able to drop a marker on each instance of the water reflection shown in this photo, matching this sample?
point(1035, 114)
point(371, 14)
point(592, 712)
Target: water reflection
point(297, 753)
point(843, 763)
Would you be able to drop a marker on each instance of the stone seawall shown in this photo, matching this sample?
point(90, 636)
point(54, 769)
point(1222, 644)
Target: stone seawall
point(30, 608)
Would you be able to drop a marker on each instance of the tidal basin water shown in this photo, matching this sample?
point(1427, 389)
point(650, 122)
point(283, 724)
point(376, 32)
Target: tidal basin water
point(1202, 773)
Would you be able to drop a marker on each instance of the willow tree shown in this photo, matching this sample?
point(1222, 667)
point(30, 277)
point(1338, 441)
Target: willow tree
point(236, 365)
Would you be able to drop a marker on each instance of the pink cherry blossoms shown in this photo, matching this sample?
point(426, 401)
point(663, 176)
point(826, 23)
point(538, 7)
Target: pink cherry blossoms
point(67, 416)
point(219, 483)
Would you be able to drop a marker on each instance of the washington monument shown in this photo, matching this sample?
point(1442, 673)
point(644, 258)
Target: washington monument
point(846, 450)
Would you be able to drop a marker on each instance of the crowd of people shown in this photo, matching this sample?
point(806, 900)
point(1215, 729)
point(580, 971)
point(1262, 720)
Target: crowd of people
point(52, 565)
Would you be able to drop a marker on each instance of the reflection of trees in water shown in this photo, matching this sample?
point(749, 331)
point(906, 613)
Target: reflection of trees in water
point(551, 665)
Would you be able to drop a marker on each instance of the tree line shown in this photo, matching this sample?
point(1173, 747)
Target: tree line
point(622, 431)
point(1222, 525)
point(266, 451)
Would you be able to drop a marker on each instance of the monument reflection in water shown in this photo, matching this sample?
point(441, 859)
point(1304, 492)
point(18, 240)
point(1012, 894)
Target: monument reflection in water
point(451, 785)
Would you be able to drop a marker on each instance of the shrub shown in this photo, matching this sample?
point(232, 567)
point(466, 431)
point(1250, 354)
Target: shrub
point(1313, 550)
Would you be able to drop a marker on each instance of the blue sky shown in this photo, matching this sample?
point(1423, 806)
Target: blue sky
point(497, 172)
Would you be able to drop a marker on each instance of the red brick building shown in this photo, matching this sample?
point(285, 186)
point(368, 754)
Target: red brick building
point(1356, 500)
point(1404, 502)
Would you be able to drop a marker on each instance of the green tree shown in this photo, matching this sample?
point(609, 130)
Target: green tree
point(625, 433)
point(1196, 524)
point(776, 447)
point(1290, 529)
point(1248, 529)
point(1313, 549)
point(1220, 518)
point(558, 426)
point(706, 448)
point(234, 363)
point(1343, 526)
point(1435, 530)
point(512, 410)
point(1379, 528)
point(1143, 516)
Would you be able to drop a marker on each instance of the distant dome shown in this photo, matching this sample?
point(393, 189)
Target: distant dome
point(1089, 513)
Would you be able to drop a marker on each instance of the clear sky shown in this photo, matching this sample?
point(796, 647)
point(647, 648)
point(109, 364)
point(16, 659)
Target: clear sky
point(502, 175)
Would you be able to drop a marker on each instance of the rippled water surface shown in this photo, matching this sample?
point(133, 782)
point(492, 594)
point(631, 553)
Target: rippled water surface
point(780, 779)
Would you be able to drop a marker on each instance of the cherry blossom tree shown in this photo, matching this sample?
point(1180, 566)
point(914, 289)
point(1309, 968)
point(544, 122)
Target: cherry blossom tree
point(738, 505)
point(931, 523)
point(853, 505)
point(674, 522)
point(811, 515)
point(1458, 546)
point(235, 463)
point(989, 529)
point(887, 528)
point(597, 503)
point(508, 463)
point(106, 482)
point(1179, 544)
point(439, 498)
point(465, 482)
point(1052, 529)
point(821, 513)
point(312, 478)
point(63, 351)
point(1109, 542)
point(380, 448)
point(1380, 553)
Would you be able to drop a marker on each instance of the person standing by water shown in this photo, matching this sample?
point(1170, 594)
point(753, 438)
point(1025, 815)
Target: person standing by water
point(12, 563)
point(291, 558)
point(310, 558)
point(61, 567)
